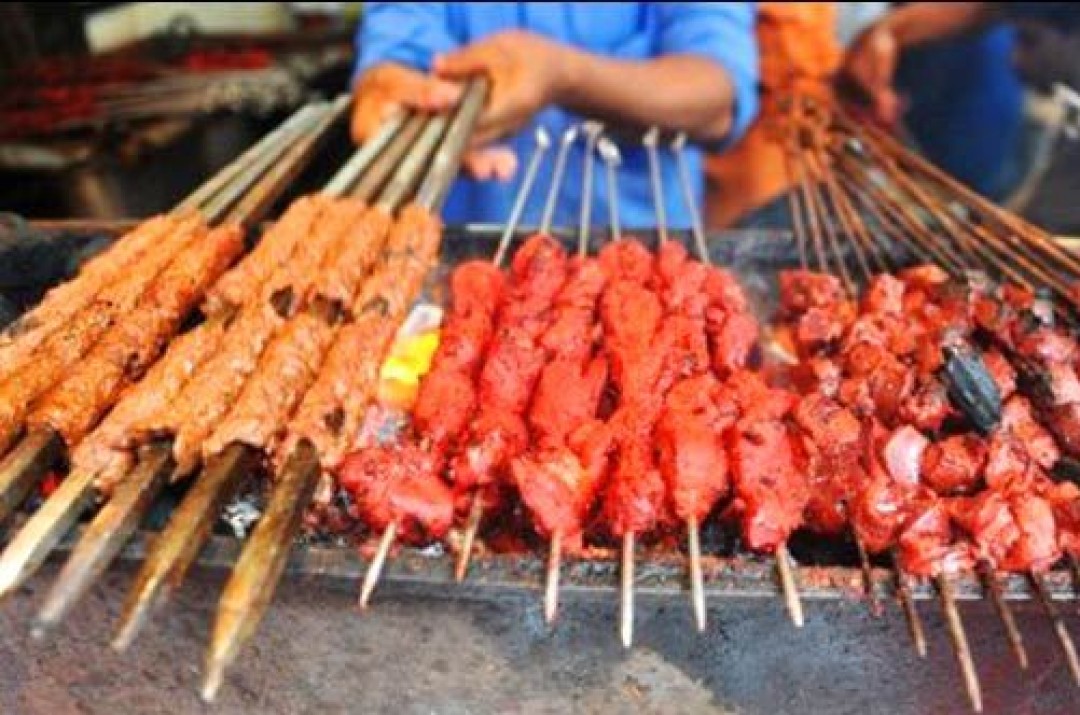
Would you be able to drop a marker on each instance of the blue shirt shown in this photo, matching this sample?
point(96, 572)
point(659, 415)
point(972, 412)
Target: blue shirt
point(414, 33)
point(966, 107)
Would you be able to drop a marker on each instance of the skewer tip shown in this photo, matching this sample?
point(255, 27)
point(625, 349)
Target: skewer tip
point(543, 138)
point(551, 583)
point(215, 676)
point(679, 142)
point(626, 609)
point(789, 587)
point(371, 578)
point(697, 579)
point(472, 528)
point(570, 135)
point(609, 151)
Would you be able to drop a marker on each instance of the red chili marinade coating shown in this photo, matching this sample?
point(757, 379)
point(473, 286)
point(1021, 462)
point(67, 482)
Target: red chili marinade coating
point(394, 485)
point(512, 366)
point(447, 396)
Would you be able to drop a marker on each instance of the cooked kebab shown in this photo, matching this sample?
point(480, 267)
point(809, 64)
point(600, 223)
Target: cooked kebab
point(558, 486)
point(73, 406)
point(276, 248)
point(50, 361)
point(513, 363)
point(67, 299)
point(210, 393)
point(290, 363)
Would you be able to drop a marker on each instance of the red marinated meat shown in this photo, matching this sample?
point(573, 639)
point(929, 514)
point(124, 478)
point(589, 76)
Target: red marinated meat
point(1036, 549)
point(627, 260)
point(828, 424)
point(954, 465)
point(770, 483)
point(879, 512)
point(566, 396)
point(733, 341)
point(683, 341)
point(1064, 498)
point(634, 500)
point(444, 406)
point(510, 372)
point(988, 523)
point(1009, 469)
point(399, 485)
point(1047, 346)
point(691, 455)
point(801, 290)
point(1018, 420)
point(558, 490)
point(926, 545)
point(884, 296)
point(754, 398)
point(817, 374)
point(724, 292)
point(928, 406)
point(927, 277)
point(1064, 420)
point(497, 435)
point(1002, 373)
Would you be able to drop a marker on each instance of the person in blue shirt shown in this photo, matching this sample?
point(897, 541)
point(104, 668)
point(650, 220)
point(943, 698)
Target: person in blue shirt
point(681, 66)
point(960, 67)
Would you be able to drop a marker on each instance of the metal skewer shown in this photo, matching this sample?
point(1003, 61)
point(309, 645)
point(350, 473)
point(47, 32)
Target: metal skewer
point(567, 141)
point(907, 603)
point(626, 591)
point(592, 135)
point(543, 142)
point(1068, 647)
point(652, 149)
point(262, 561)
point(609, 154)
point(960, 641)
point(1005, 614)
point(677, 147)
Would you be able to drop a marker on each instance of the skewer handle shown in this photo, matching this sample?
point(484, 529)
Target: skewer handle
point(444, 167)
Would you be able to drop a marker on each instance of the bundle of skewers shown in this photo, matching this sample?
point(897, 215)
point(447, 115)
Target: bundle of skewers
point(271, 380)
point(932, 338)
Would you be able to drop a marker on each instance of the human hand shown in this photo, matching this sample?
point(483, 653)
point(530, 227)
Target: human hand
point(526, 73)
point(870, 64)
point(389, 88)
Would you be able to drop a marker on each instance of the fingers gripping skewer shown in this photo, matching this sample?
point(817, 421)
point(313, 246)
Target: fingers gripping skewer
point(960, 641)
point(543, 142)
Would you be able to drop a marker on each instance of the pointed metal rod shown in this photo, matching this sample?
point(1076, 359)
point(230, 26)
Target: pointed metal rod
point(179, 544)
point(960, 641)
point(610, 155)
point(911, 614)
point(697, 579)
point(371, 578)
point(788, 586)
point(1068, 647)
point(678, 147)
point(652, 149)
point(25, 465)
point(551, 579)
point(261, 564)
point(105, 536)
point(26, 552)
point(1005, 614)
point(626, 592)
point(592, 135)
point(567, 141)
point(872, 600)
point(543, 142)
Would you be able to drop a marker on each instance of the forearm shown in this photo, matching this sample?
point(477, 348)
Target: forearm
point(675, 92)
point(922, 22)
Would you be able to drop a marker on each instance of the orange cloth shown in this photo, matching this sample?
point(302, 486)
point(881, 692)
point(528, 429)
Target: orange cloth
point(798, 48)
